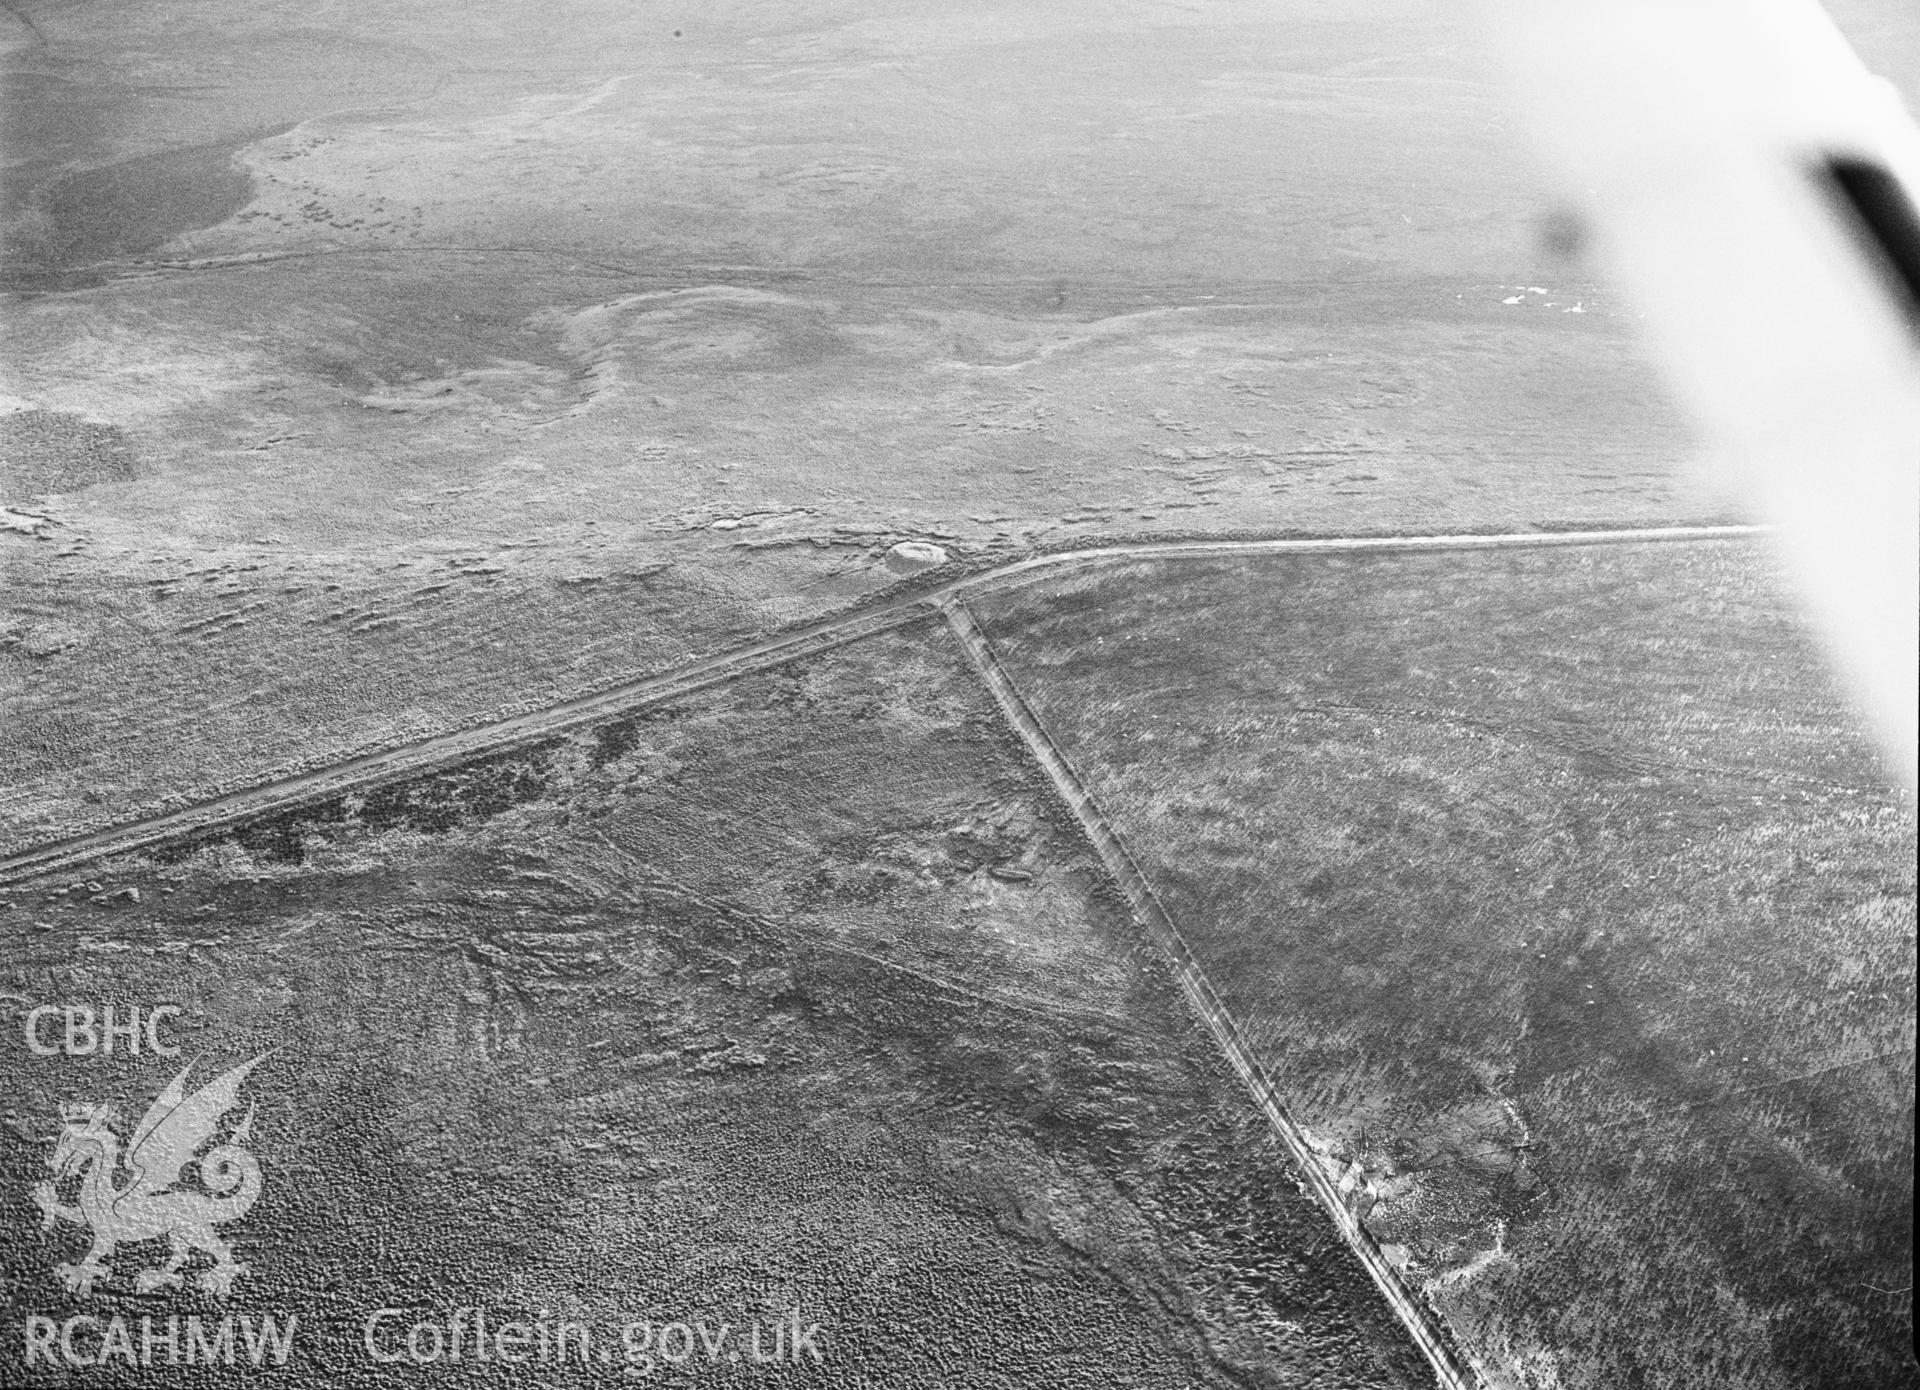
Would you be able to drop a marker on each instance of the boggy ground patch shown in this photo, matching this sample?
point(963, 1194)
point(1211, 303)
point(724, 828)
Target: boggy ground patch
point(51, 451)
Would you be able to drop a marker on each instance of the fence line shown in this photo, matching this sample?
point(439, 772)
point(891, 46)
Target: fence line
point(1420, 1323)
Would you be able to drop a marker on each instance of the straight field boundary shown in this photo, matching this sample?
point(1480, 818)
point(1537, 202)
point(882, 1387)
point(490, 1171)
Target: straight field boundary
point(1205, 1001)
point(368, 770)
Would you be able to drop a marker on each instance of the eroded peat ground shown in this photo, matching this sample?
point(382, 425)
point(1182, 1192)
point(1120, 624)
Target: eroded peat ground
point(1568, 907)
point(799, 992)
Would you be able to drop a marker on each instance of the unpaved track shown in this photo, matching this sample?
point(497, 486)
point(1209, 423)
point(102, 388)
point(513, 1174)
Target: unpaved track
point(1159, 926)
point(372, 769)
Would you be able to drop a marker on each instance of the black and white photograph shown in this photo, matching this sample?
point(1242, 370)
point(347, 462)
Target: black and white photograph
point(997, 694)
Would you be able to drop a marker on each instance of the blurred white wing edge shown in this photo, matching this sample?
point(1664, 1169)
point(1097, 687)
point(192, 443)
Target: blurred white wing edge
point(1690, 137)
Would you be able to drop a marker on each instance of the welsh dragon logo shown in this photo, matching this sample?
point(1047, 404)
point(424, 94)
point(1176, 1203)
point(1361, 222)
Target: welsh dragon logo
point(149, 1202)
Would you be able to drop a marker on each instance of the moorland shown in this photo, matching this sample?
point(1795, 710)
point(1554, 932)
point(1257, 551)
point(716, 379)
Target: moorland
point(529, 353)
point(372, 373)
point(799, 993)
point(1566, 902)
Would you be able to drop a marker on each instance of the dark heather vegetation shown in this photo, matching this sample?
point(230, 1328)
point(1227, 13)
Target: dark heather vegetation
point(1565, 899)
point(801, 993)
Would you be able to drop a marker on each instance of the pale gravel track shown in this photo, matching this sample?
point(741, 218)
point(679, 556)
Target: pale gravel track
point(1154, 920)
point(388, 765)
point(1422, 1326)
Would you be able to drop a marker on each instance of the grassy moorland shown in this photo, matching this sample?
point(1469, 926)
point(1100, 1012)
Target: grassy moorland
point(1563, 896)
point(802, 992)
point(369, 373)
